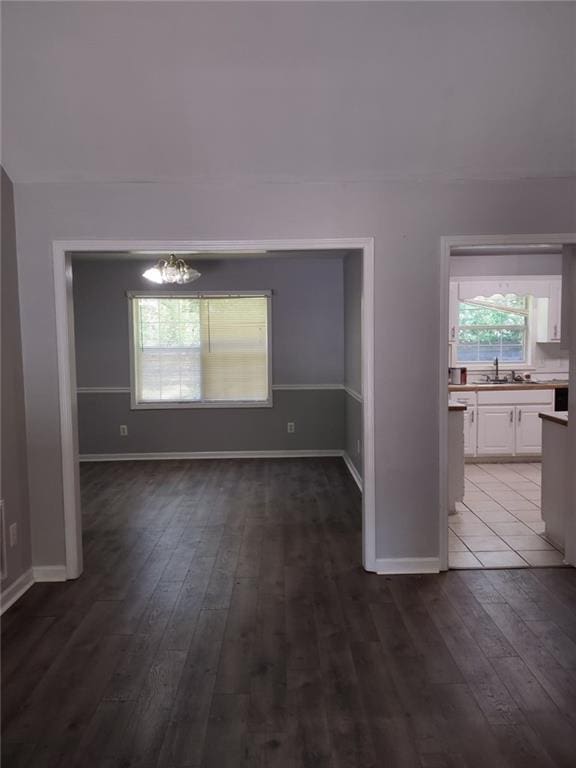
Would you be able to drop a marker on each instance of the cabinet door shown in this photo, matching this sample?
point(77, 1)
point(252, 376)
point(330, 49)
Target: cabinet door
point(555, 311)
point(496, 430)
point(529, 428)
point(470, 433)
point(549, 314)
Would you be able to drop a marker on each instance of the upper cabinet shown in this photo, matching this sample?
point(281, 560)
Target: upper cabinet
point(549, 314)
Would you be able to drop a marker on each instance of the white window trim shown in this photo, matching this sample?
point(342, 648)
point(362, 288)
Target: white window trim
point(135, 405)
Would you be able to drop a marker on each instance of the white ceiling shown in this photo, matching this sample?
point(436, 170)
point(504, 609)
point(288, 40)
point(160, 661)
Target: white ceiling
point(131, 91)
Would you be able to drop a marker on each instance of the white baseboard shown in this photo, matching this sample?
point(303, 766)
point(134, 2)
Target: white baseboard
point(398, 565)
point(353, 471)
point(16, 590)
point(49, 573)
point(209, 455)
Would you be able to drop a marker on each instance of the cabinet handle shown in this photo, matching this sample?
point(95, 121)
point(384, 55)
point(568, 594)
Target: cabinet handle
point(471, 417)
point(519, 415)
point(511, 417)
point(555, 331)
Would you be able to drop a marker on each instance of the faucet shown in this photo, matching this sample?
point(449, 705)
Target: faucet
point(497, 373)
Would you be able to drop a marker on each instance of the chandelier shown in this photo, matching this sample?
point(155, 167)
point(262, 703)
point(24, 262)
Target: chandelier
point(171, 270)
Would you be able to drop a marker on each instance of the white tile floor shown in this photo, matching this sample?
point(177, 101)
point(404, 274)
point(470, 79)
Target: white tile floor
point(499, 525)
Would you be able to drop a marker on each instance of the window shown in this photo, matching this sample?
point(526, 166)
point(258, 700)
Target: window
point(200, 350)
point(493, 326)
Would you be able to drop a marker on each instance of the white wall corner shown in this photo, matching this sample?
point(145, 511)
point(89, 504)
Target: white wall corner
point(407, 565)
point(49, 573)
point(15, 591)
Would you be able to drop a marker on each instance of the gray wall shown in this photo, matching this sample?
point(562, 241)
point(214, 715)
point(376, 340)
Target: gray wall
point(14, 473)
point(353, 356)
point(307, 313)
point(353, 321)
point(407, 221)
point(318, 414)
point(307, 349)
point(354, 432)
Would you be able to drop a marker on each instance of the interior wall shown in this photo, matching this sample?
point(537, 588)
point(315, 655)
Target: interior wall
point(14, 470)
point(307, 351)
point(353, 358)
point(406, 219)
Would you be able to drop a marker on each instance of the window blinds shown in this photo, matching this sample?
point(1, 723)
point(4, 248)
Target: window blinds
point(200, 349)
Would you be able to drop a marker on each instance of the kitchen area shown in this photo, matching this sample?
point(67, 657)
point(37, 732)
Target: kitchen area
point(509, 483)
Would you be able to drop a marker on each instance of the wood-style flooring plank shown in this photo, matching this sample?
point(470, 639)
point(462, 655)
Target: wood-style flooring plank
point(224, 619)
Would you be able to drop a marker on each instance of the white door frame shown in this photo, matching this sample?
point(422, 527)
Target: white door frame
point(62, 250)
point(446, 245)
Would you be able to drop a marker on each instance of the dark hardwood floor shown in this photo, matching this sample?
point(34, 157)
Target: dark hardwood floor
point(224, 621)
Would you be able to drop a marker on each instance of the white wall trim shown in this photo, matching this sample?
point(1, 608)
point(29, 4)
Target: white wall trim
point(446, 245)
point(102, 390)
point(63, 300)
point(15, 591)
point(353, 393)
point(62, 250)
point(306, 386)
point(194, 455)
point(49, 573)
point(353, 471)
point(398, 565)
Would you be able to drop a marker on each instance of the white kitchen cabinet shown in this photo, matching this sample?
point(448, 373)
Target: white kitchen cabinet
point(529, 428)
point(504, 422)
point(496, 430)
point(549, 314)
point(470, 420)
point(470, 431)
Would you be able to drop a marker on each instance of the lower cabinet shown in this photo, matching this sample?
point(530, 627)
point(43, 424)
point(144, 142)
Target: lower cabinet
point(470, 431)
point(504, 423)
point(495, 430)
point(529, 428)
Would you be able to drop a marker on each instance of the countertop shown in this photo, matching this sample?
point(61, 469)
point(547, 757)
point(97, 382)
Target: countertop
point(516, 386)
point(558, 417)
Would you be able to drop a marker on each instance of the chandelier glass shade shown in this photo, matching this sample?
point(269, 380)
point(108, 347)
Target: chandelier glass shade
point(171, 270)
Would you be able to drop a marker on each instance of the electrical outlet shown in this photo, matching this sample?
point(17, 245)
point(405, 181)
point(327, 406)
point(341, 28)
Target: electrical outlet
point(13, 534)
point(358, 447)
point(291, 427)
point(123, 430)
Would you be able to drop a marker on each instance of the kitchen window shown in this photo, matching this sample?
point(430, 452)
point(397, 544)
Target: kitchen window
point(200, 350)
point(493, 326)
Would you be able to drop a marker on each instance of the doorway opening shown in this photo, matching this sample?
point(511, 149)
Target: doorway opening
point(359, 392)
point(507, 349)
